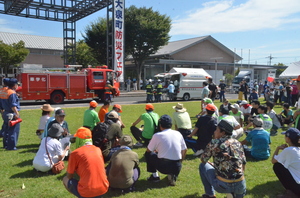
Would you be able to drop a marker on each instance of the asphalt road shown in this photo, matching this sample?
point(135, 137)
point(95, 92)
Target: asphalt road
point(29, 104)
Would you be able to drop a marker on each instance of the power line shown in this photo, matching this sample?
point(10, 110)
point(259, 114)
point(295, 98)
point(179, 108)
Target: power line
point(270, 58)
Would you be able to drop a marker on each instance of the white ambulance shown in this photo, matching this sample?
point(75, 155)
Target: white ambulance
point(188, 81)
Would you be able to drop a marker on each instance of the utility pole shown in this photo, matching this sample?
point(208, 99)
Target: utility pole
point(270, 59)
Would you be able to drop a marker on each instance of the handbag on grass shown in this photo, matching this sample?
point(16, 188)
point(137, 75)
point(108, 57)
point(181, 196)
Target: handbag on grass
point(57, 167)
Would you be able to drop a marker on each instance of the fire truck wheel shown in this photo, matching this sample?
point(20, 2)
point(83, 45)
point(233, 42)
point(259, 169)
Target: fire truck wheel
point(57, 97)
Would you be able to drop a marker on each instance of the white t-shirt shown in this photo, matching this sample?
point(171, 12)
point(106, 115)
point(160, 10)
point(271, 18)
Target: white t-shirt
point(41, 160)
point(168, 143)
point(275, 120)
point(43, 122)
point(245, 111)
point(230, 119)
point(290, 159)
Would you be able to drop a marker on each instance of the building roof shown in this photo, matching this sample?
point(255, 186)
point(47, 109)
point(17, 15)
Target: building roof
point(33, 41)
point(177, 46)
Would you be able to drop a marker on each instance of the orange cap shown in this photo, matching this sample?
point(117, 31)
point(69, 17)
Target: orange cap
point(149, 107)
point(83, 133)
point(93, 103)
point(210, 107)
point(119, 107)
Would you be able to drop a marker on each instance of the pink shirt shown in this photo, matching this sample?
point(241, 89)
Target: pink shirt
point(295, 90)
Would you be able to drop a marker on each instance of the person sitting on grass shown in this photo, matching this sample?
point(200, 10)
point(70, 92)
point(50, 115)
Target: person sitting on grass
point(246, 109)
point(262, 114)
point(204, 129)
point(88, 164)
point(276, 122)
point(165, 152)
point(46, 111)
point(103, 111)
point(50, 147)
point(287, 163)
point(150, 119)
point(253, 95)
point(226, 173)
point(260, 141)
point(123, 171)
point(287, 115)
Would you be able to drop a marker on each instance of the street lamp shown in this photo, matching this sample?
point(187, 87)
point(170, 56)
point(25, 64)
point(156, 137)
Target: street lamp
point(216, 65)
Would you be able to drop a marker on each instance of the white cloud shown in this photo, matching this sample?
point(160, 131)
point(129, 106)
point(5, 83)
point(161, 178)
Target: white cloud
point(225, 16)
point(5, 27)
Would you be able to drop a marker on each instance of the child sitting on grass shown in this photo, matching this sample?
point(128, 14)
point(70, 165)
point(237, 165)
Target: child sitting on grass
point(287, 115)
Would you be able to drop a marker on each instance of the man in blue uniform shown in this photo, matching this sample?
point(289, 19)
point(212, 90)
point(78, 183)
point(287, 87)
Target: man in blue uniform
point(11, 107)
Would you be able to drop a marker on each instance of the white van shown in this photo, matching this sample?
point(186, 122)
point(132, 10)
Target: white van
point(188, 81)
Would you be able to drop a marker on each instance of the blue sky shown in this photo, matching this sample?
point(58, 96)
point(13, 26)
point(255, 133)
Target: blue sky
point(254, 28)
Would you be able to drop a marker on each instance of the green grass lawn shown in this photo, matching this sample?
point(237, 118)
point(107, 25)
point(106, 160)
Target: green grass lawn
point(16, 166)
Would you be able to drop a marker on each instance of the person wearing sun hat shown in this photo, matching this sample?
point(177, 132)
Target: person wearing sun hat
point(41, 161)
point(287, 162)
point(46, 111)
point(226, 173)
point(150, 119)
point(83, 137)
point(87, 163)
point(182, 120)
point(123, 170)
point(90, 117)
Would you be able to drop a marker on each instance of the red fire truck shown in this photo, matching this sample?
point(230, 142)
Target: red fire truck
point(55, 87)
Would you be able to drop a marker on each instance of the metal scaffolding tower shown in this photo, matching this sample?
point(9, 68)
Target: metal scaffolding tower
point(66, 11)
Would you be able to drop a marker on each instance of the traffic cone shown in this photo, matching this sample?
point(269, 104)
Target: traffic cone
point(14, 122)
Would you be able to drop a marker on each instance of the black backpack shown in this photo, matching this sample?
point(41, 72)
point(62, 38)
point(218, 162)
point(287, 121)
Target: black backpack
point(99, 135)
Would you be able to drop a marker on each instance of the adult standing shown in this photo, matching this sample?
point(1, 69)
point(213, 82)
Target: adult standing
point(128, 83)
point(245, 89)
point(90, 117)
point(108, 91)
point(297, 113)
point(159, 90)
point(171, 91)
point(205, 91)
point(213, 89)
point(222, 87)
point(226, 173)
point(294, 93)
point(150, 119)
point(11, 107)
point(87, 162)
point(287, 163)
point(182, 120)
point(134, 82)
point(165, 152)
point(149, 91)
point(2, 96)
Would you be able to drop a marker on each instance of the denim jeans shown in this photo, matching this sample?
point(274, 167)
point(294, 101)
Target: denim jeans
point(222, 96)
point(212, 184)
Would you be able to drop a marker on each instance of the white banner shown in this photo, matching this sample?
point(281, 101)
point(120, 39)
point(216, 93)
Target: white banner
point(119, 38)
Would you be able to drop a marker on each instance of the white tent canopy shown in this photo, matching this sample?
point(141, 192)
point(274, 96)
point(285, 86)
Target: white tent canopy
point(292, 71)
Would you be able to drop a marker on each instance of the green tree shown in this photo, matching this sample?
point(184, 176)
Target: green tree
point(145, 32)
point(279, 71)
point(229, 78)
point(95, 38)
point(84, 55)
point(12, 54)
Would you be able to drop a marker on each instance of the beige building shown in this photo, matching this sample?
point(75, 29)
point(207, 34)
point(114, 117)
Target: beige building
point(191, 53)
point(45, 51)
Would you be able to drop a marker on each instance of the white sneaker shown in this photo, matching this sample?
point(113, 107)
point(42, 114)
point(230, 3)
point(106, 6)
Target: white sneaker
point(138, 144)
point(199, 152)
